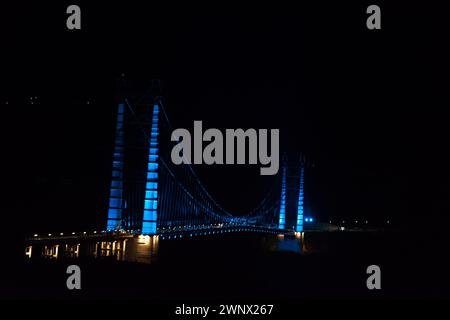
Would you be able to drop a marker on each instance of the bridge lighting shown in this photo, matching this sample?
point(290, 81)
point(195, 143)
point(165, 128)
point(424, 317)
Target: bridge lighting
point(300, 203)
point(115, 209)
point(282, 213)
point(150, 215)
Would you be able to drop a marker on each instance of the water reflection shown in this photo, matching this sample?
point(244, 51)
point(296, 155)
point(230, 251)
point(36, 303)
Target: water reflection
point(141, 249)
point(28, 251)
point(72, 250)
point(146, 249)
point(50, 251)
point(291, 243)
point(115, 249)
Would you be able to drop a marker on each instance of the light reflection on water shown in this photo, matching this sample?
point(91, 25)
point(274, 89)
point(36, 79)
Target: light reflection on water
point(145, 249)
point(141, 249)
point(290, 243)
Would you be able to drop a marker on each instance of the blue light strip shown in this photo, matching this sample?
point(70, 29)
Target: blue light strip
point(282, 219)
point(116, 193)
point(299, 227)
point(150, 215)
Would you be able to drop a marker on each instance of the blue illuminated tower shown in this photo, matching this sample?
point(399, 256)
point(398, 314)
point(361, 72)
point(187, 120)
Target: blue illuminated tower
point(282, 219)
point(115, 210)
point(150, 215)
point(299, 225)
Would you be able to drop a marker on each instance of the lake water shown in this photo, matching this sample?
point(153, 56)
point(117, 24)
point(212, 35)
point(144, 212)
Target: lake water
point(242, 265)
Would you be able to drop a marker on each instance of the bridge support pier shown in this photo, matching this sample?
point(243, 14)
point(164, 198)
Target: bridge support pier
point(292, 197)
point(116, 194)
point(150, 215)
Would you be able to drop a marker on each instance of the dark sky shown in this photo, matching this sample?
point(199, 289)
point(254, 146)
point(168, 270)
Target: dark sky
point(366, 106)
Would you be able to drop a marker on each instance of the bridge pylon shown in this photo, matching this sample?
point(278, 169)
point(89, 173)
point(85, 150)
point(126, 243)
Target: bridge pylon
point(292, 195)
point(116, 200)
point(150, 214)
point(133, 197)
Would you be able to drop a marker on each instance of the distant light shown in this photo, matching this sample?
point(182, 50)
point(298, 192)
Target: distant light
point(367, 221)
point(388, 222)
point(342, 228)
point(84, 232)
point(73, 232)
point(95, 231)
point(61, 234)
point(330, 221)
point(36, 235)
point(49, 234)
point(343, 221)
point(356, 221)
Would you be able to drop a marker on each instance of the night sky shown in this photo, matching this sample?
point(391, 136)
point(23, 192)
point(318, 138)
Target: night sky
point(367, 107)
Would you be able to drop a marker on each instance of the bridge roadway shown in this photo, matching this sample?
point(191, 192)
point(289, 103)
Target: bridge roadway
point(163, 233)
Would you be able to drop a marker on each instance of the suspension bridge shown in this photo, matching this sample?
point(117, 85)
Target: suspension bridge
point(152, 198)
point(157, 197)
